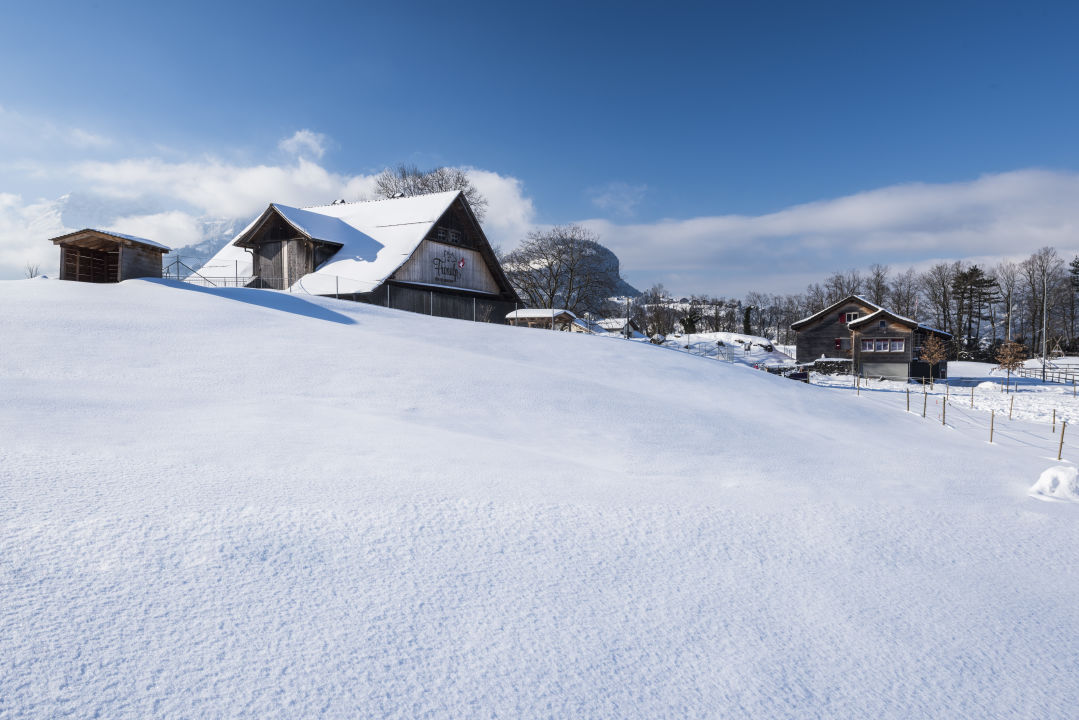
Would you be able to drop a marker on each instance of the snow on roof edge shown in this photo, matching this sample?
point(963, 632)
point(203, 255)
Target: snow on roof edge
point(833, 305)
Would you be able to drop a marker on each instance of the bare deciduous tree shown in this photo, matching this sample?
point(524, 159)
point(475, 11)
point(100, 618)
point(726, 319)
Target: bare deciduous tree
point(409, 180)
point(840, 285)
point(564, 267)
point(1007, 274)
point(876, 285)
point(903, 293)
point(32, 269)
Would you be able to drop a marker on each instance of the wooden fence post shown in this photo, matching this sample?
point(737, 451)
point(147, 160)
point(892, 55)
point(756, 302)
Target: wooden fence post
point(1060, 448)
point(944, 411)
point(1054, 420)
point(925, 400)
point(908, 398)
point(992, 417)
point(971, 397)
point(1010, 406)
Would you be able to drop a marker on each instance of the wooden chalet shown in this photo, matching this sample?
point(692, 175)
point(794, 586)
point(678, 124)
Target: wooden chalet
point(425, 254)
point(103, 256)
point(878, 342)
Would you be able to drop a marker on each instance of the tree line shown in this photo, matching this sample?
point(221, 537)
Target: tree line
point(981, 307)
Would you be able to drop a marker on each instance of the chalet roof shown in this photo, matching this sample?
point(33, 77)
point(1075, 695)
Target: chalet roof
point(375, 238)
point(849, 299)
point(88, 234)
point(898, 318)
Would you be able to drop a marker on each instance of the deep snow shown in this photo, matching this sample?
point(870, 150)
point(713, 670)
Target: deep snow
point(249, 504)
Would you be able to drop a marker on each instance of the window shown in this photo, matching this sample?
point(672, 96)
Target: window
point(883, 345)
point(448, 235)
point(842, 344)
point(882, 325)
point(847, 317)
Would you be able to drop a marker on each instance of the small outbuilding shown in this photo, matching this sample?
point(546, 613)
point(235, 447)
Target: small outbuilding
point(103, 256)
point(545, 318)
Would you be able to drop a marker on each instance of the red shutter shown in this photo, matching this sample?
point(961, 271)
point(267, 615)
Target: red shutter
point(842, 318)
point(838, 344)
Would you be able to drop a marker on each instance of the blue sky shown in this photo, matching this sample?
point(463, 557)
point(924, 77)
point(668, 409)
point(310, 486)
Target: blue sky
point(662, 126)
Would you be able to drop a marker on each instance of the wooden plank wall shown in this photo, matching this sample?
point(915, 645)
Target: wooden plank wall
point(139, 262)
point(438, 264)
point(268, 265)
point(819, 338)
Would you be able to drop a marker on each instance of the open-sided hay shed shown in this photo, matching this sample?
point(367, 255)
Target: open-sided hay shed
point(102, 256)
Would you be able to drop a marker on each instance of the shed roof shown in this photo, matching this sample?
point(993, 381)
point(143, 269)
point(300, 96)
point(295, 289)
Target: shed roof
point(91, 237)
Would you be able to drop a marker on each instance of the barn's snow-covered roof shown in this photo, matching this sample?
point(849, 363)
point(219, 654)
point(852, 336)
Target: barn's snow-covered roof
point(375, 239)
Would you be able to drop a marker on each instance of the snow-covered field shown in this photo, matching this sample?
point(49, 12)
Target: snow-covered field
point(744, 349)
point(241, 503)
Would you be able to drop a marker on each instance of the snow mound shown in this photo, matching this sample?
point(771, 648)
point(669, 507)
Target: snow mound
point(988, 385)
point(1060, 482)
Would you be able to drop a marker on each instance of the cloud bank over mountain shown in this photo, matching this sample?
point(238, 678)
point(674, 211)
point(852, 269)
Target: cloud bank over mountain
point(198, 202)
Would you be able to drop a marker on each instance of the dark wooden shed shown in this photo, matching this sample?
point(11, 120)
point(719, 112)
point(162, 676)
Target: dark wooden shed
point(102, 256)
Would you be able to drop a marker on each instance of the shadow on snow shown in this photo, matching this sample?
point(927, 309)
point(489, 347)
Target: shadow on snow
point(270, 299)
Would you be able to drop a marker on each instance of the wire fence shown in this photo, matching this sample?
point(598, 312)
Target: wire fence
point(1038, 421)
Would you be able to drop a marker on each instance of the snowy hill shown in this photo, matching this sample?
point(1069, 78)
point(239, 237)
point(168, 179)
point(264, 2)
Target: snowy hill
point(243, 503)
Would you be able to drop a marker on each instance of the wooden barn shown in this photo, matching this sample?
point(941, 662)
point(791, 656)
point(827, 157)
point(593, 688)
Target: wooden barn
point(425, 254)
point(103, 256)
point(880, 343)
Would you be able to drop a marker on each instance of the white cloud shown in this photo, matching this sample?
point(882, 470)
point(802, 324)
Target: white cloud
point(24, 229)
point(169, 201)
point(211, 186)
point(304, 143)
point(510, 214)
point(618, 197)
point(996, 216)
point(173, 228)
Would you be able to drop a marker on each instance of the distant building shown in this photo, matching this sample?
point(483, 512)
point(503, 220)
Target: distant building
point(424, 254)
point(626, 327)
point(103, 256)
point(878, 342)
point(548, 318)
